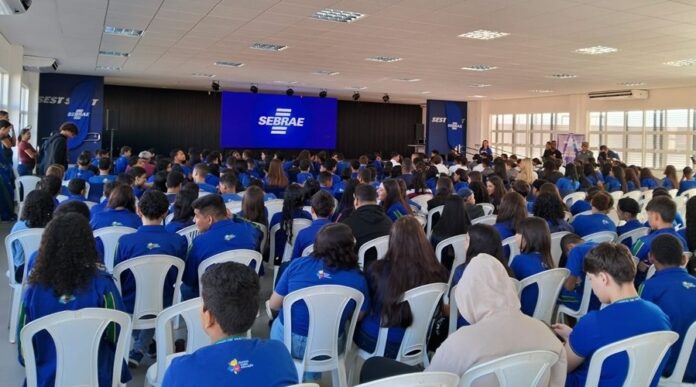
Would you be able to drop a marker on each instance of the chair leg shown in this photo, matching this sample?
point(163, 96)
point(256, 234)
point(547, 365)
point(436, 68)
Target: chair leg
point(426, 359)
point(299, 366)
point(338, 376)
point(14, 313)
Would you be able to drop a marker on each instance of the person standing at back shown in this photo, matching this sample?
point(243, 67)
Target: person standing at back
point(56, 147)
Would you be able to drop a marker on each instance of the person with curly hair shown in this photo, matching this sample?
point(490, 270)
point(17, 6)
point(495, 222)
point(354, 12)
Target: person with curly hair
point(36, 213)
point(548, 206)
point(333, 262)
point(293, 203)
point(68, 276)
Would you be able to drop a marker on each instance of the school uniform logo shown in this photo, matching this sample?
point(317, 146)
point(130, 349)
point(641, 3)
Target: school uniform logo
point(151, 246)
point(66, 299)
point(116, 223)
point(688, 285)
point(321, 274)
point(229, 237)
point(236, 366)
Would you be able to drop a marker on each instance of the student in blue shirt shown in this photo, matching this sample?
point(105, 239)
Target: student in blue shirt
point(292, 209)
point(611, 269)
point(647, 180)
point(182, 208)
point(219, 233)
point(598, 221)
point(178, 157)
point(661, 211)
point(36, 213)
point(67, 276)
point(627, 210)
point(550, 207)
point(389, 195)
point(322, 208)
point(584, 205)
point(632, 181)
point(325, 180)
point(53, 185)
point(139, 176)
point(674, 291)
point(200, 171)
point(230, 303)
point(333, 262)
point(151, 238)
point(534, 239)
point(79, 171)
point(101, 206)
point(569, 183)
point(175, 180)
point(511, 211)
point(688, 182)
point(96, 183)
point(121, 163)
point(575, 249)
point(614, 179)
point(304, 174)
point(119, 211)
point(329, 165)
point(228, 188)
point(76, 188)
point(670, 180)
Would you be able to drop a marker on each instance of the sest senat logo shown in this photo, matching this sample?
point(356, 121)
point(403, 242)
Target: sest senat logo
point(78, 114)
point(439, 120)
point(281, 121)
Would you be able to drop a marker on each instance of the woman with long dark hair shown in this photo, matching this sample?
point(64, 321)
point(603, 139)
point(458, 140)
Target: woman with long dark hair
point(347, 203)
point(480, 192)
point(647, 180)
point(253, 207)
point(549, 207)
point(620, 176)
point(632, 182)
point(182, 208)
point(389, 194)
point(453, 221)
point(534, 239)
point(670, 180)
point(496, 190)
point(409, 263)
point(570, 182)
point(120, 210)
point(67, 276)
point(689, 233)
point(512, 210)
point(292, 209)
point(36, 213)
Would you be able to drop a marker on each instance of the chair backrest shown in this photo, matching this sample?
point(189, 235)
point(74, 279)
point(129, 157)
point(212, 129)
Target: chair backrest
point(486, 219)
point(459, 244)
point(77, 336)
point(616, 195)
point(685, 354)
point(243, 256)
point(453, 310)
point(297, 226)
point(30, 240)
point(573, 197)
point(169, 218)
point(264, 232)
point(27, 184)
point(651, 272)
point(635, 195)
point(234, 206)
point(647, 195)
point(600, 237)
point(380, 243)
point(109, 237)
point(520, 369)
point(273, 207)
point(423, 379)
point(645, 352)
point(488, 208)
point(688, 193)
point(325, 304)
point(164, 334)
point(429, 225)
point(190, 232)
point(61, 198)
point(549, 283)
point(634, 234)
point(308, 250)
point(86, 189)
point(150, 273)
point(586, 296)
point(673, 192)
point(556, 248)
point(203, 193)
point(422, 200)
point(588, 212)
point(511, 243)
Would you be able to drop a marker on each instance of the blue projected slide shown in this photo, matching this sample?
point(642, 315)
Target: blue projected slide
point(277, 121)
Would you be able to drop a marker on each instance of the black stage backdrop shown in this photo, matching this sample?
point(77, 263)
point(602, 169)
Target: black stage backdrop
point(166, 118)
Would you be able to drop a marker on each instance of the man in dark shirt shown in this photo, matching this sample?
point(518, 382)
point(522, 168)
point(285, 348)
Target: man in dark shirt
point(56, 148)
point(368, 221)
point(552, 152)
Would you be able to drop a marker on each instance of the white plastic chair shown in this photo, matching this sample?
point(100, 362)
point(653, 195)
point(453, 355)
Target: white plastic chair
point(488, 208)
point(273, 207)
point(234, 206)
point(30, 240)
point(109, 237)
point(651, 272)
point(634, 234)
point(600, 237)
point(520, 369)
point(486, 219)
point(573, 197)
point(168, 219)
point(190, 232)
point(673, 192)
point(77, 336)
point(645, 352)
point(588, 212)
point(616, 195)
point(264, 232)
point(196, 338)
point(308, 250)
point(380, 243)
point(90, 204)
point(243, 256)
point(27, 183)
point(635, 195)
point(647, 195)
point(297, 226)
point(564, 310)
point(424, 379)
point(511, 242)
point(453, 311)
point(429, 225)
point(325, 304)
point(203, 193)
point(675, 380)
point(556, 248)
point(688, 193)
point(460, 244)
point(549, 283)
point(150, 273)
point(61, 198)
point(423, 301)
point(422, 200)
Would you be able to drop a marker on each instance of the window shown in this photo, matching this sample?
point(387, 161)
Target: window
point(649, 138)
point(4, 90)
point(23, 107)
point(526, 134)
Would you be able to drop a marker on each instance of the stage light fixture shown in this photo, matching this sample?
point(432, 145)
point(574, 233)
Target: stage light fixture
point(289, 92)
point(254, 89)
point(385, 98)
point(322, 94)
point(356, 96)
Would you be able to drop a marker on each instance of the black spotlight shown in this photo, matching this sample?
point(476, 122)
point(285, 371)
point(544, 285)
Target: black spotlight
point(289, 92)
point(356, 96)
point(215, 86)
point(254, 89)
point(322, 94)
point(385, 98)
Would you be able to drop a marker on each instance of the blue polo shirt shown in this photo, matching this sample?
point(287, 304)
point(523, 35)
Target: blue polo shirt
point(149, 240)
point(176, 225)
point(629, 226)
point(396, 211)
point(224, 235)
point(649, 183)
point(612, 184)
point(231, 197)
point(618, 321)
point(186, 170)
point(111, 217)
point(523, 266)
point(504, 229)
point(280, 236)
point(631, 186)
point(234, 362)
point(96, 186)
point(674, 291)
point(576, 258)
point(120, 165)
point(39, 301)
point(171, 197)
point(98, 208)
point(580, 206)
point(303, 177)
point(590, 224)
point(212, 180)
point(306, 237)
point(77, 173)
point(310, 271)
point(205, 187)
point(641, 247)
point(74, 198)
point(567, 186)
point(667, 183)
point(686, 185)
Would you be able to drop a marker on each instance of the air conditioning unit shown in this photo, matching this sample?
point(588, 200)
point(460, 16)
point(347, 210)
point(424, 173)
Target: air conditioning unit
point(619, 94)
point(11, 7)
point(39, 64)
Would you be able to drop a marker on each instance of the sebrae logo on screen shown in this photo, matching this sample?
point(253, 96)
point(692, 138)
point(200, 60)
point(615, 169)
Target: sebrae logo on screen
point(78, 114)
point(281, 121)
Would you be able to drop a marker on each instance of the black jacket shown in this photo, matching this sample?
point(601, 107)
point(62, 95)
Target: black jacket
point(368, 222)
point(55, 152)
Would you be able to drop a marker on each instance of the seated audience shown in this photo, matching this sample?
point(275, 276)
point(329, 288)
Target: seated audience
point(647, 180)
point(534, 241)
point(76, 190)
point(627, 210)
point(200, 171)
point(253, 206)
point(368, 221)
point(96, 183)
point(119, 211)
point(495, 187)
point(598, 221)
point(175, 180)
point(139, 180)
point(574, 250)
point(511, 212)
point(322, 208)
point(472, 209)
point(292, 209)
point(454, 221)
point(548, 206)
point(670, 180)
point(687, 182)
point(183, 208)
point(36, 213)
point(389, 195)
point(586, 204)
point(81, 170)
point(570, 182)
point(442, 192)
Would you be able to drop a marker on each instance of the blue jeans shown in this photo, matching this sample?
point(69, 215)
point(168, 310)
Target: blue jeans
point(299, 343)
point(25, 169)
point(142, 339)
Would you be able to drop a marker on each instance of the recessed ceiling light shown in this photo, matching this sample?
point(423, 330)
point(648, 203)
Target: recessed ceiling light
point(484, 35)
point(477, 96)
point(203, 75)
point(229, 64)
point(356, 87)
point(682, 62)
point(480, 85)
point(562, 76)
point(113, 53)
point(407, 79)
point(426, 92)
point(108, 68)
point(383, 59)
point(541, 91)
point(268, 47)
point(326, 72)
point(479, 67)
point(286, 82)
point(596, 50)
point(130, 32)
point(632, 84)
point(337, 15)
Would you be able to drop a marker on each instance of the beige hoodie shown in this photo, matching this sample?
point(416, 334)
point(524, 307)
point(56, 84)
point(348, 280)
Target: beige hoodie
point(488, 300)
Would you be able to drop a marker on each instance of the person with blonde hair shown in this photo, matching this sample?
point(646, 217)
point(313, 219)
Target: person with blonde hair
point(527, 171)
